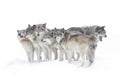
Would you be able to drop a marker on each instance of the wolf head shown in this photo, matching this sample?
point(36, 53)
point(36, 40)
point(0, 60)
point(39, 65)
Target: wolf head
point(30, 34)
point(40, 30)
point(21, 34)
point(58, 34)
point(30, 28)
point(100, 31)
point(47, 38)
point(40, 27)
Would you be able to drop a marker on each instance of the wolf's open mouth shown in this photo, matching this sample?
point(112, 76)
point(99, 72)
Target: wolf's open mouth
point(21, 36)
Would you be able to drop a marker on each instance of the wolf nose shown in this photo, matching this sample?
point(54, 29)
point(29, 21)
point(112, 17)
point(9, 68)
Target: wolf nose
point(21, 36)
point(105, 35)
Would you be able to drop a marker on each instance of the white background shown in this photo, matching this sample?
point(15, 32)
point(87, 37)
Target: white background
point(17, 14)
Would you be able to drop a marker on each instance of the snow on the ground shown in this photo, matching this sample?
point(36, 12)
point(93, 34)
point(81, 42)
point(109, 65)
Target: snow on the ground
point(106, 63)
point(16, 14)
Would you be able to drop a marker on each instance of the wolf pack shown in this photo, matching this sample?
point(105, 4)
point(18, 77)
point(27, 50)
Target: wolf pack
point(72, 44)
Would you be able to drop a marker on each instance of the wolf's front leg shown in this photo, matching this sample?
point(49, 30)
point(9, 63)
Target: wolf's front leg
point(30, 56)
point(49, 53)
point(61, 53)
point(69, 55)
point(38, 53)
point(91, 55)
point(45, 51)
point(55, 53)
point(66, 57)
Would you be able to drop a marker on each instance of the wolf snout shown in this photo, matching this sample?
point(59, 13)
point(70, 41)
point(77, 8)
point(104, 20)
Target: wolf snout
point(21, 36)
point(105, 35)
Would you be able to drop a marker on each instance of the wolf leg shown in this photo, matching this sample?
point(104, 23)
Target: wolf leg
point(69, 55)
point(55, 53)
point(50, 53)
point(45, 51)
point(38, 53)
point(91, 55)
point(61, 54)
point(30, 56)
point(85, 58)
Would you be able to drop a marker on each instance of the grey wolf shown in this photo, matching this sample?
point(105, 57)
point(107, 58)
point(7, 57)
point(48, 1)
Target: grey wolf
point(83, 44)
point(27, 45)
point(51, 44)
point(58, 35)
point(89, 31)
point(40, 30)
point(32, 37)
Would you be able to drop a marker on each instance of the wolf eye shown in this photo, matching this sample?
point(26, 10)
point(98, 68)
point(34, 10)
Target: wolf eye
point(19, 34)
point(99, 32)
point(60, 34)
point(38, 34)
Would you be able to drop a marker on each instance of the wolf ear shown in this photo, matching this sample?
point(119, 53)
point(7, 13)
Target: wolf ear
point(33, 27)
point(29, 26)
point(63, 30)
point(97, 28)
point(44, 25)
point(103, 27)
point(52, 33)
point(18, 31)
point(55, 28)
